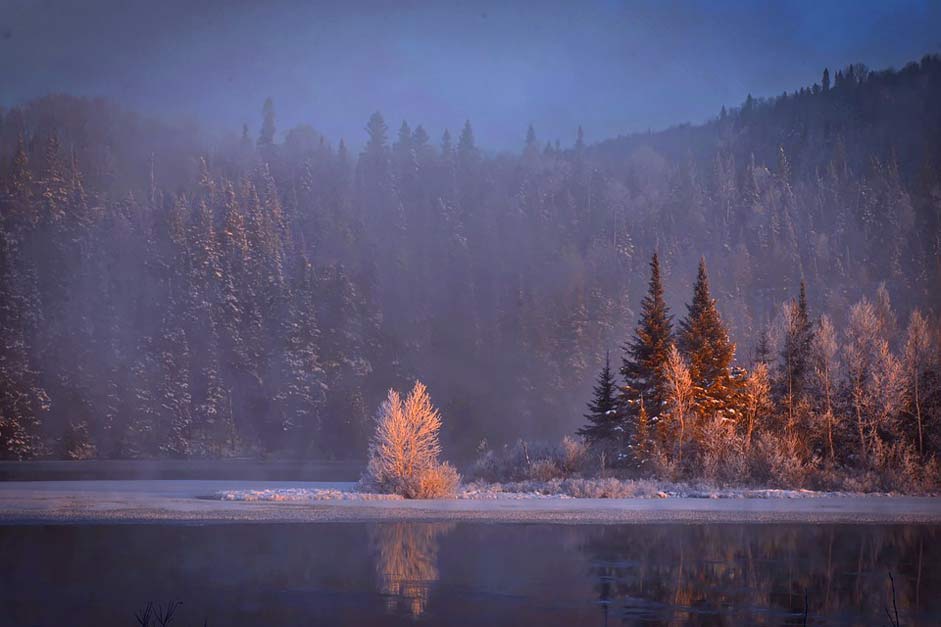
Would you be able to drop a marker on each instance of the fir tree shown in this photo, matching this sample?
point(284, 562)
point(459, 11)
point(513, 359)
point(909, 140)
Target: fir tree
point(266, 137)
point(53, 184)
point(403, 145)
point(603, 418)
point(21, 179)
point(796, 352)
point(531, 148)
point(646, 354)
point(447, 148)
point(704, 342)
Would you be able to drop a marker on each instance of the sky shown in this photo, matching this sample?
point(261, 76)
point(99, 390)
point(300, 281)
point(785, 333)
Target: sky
point(614, 67)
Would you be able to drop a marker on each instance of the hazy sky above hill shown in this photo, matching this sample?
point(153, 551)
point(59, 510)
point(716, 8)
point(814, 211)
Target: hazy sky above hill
point(614, 67)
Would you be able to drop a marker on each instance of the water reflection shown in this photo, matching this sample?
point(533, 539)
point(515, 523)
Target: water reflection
point(470, 574)
point(759, 574)
point(406, 560)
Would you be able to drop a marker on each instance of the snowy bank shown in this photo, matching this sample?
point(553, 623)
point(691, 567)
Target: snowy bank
point(170, 502)
point(537, 490)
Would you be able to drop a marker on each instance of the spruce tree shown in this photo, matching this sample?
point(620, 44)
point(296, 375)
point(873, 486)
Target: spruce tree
point(603, 417)
point(466, 144)
point(642, 366)
point(266, 137)
point(704, 343)
point(447, 147)
point(21, 179)
point(796, 352)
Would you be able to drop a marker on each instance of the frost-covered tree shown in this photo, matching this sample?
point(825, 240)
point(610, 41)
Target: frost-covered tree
point(824, 350)
point(917, 360)
point(680, 400)
point(860, 354)
point(756, 395)
point(404, 451)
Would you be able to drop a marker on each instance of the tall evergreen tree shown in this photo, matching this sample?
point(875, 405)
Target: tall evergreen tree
point(796, 351)
point(646, 355)
point(704, 342)
point(467, 154)
point(604, 422)
point(266, 137)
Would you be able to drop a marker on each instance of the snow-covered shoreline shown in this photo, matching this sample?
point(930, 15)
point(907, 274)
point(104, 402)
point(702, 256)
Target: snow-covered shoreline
point(199, 502)
point(530, 490)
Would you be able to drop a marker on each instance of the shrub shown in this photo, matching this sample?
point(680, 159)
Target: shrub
point(403, 454)
point(525, 461)
point(438, 481)
point(779, 461)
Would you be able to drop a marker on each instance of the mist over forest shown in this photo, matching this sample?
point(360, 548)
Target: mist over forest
point(165, 292)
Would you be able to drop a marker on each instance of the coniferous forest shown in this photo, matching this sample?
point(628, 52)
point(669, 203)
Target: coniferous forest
point(768, 280)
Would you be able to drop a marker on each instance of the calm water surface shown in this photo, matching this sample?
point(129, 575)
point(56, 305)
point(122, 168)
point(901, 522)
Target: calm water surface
point(470, 574)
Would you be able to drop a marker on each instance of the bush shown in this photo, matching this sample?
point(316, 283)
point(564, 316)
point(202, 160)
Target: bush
point(403, 454)
point(526, 461)
point(778, 461)
point(436, 482)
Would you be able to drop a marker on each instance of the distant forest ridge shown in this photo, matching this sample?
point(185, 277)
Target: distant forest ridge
point(161, 296)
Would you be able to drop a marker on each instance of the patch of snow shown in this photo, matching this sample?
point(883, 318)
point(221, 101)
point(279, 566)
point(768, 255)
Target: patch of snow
point(303, 495)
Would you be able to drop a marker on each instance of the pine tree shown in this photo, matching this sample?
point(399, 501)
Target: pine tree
point(604, 421)
point(53, 184)
point(21, 179)
point(266, 137)
point(23, 399)
point(763, 347)
point(378, 135)
point(403, 145)
point(447, 149)
point(796, 352)
point(301, 388)
point(646, 355)
point(704, 342)
point(531, 148)
point(467, 155)
point(422, 146)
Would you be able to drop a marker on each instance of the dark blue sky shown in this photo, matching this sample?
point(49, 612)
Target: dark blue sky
point(614, 67)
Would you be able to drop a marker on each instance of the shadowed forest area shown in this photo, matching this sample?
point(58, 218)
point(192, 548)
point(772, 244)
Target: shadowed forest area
point(167, 293)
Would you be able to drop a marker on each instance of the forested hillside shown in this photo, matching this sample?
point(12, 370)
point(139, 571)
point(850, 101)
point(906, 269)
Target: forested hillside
point(167, 294)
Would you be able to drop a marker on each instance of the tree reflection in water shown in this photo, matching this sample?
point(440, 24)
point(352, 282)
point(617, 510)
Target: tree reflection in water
point(757, 574)
point(406, 559)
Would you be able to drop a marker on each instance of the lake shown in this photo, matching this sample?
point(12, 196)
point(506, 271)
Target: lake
point(406, 573)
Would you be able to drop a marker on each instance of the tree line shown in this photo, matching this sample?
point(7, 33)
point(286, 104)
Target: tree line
point(163, 293)
point(814, 404)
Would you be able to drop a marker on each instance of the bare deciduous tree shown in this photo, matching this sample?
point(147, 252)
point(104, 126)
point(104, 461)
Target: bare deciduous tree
point(825, 349)
point(917, 355)
point(680, 393)
point(757, 397)
point(859, 353)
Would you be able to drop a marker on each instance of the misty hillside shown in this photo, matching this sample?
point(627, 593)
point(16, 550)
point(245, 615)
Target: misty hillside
point(167, 293)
